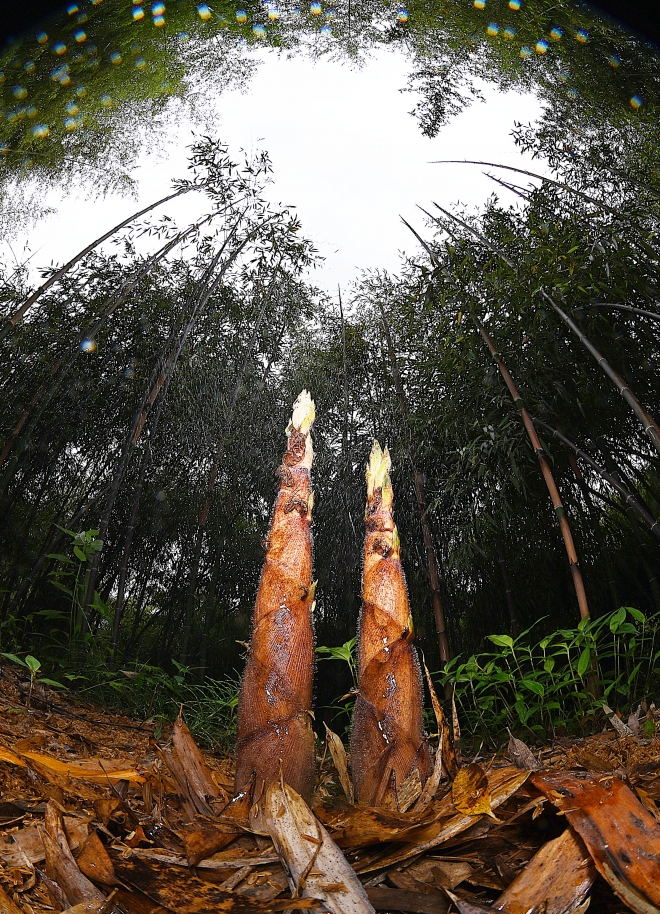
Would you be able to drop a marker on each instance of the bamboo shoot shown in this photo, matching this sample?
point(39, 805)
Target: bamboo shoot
point(387, 740)
point(274, 719)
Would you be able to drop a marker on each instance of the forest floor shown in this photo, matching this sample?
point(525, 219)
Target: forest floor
point(97, 815)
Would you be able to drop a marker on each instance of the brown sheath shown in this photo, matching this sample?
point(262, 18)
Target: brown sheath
point(387, 740)
point(274, 722)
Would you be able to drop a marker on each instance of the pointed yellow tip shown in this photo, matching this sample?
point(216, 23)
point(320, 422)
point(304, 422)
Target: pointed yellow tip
point(396, 543)
point(310, 504)
point(303, 415)
point(378, 469)
point(310, 596)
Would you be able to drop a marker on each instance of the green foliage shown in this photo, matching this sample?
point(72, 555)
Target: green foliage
point(33, 665)
point(556, 686)
point(342, 707)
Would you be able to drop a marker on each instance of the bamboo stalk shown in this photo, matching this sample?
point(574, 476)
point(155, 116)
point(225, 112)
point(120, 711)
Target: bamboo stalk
point(387, 740)
point(274, 710)
point(578, 583)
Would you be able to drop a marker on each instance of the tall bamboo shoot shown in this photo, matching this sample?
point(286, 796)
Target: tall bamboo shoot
point(274, 721)
point(387, 740)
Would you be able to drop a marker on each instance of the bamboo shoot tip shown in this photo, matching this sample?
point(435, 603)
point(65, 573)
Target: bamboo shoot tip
point(303, 414)
point(378, 468)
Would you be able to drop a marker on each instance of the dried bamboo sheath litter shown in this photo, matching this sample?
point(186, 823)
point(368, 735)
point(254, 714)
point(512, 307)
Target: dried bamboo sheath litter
point(387, 741)
point(274, 723)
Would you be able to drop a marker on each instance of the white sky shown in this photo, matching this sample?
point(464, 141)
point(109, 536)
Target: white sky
point(345, 151)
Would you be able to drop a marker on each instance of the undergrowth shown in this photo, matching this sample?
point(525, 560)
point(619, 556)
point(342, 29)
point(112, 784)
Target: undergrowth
point(557, 686)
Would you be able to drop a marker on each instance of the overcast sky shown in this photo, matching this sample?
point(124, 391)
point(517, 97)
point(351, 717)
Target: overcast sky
point(346, 152)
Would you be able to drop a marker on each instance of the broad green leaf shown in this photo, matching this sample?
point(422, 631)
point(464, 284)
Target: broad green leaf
point(501, 640)
point(583, 662)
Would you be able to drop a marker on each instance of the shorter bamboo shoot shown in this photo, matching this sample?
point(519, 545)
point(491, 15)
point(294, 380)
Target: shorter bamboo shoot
point(387, 739)
point(274, 710)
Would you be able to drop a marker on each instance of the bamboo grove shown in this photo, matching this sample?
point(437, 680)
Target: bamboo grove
point(144, 394)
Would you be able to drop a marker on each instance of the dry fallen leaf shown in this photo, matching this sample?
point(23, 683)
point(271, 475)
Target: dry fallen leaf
point(622, 836)
point(338, 754)
point(521, 755)
point(470, 791)
point(315, 866)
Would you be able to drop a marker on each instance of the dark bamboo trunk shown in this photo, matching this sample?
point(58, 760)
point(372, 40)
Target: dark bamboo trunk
point(420, 492)
point(578, 583)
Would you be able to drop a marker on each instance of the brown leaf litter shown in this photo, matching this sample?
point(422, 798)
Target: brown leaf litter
point(99, 817)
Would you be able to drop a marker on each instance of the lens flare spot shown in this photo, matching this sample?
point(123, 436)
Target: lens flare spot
point(116, 58)
point(582, 36)
point(259, 31)
point(81, 91)
point(203, 11)
point(106, 100)
point(493, 29)
point(138, 13)
point(636, 102)
point(614, 61)
point(509, 32)
point(70, 123)
point(241, 17)
point(541, 46)
point(29, 66)
point(19, 92)
point(157, 9)
point(31, 111)
point(525, 52)
point(140, 63)
point(315, 8)
point(42, 37)
point(40, 131)
point(59, 48)
point(556, 33)
point(402, 15)
point(273, 13)
point(480, 4)
point(71, 108)
point(573, 92)
point(515, 4)
point(159, 21)
point(563, 77)
point(71, 9)
point(183, 37)
point(88, 345)
point(326, 30)
point(80, 36)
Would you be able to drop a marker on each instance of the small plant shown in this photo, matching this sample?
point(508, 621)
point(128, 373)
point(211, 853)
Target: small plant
point(343, 706)
point(72, 580)
point(545, 687)
point(34, 667)
point(345, 652)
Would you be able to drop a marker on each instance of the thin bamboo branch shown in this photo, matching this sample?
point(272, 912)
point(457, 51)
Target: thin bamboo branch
point(628, 497)
point(20, 312)
point(648, 423)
